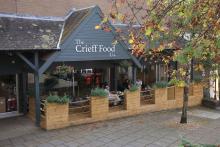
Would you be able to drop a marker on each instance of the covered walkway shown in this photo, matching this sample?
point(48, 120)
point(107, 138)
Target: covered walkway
point(16, 126)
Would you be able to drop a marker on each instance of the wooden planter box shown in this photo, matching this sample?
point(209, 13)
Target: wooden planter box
point(161, 98)
point(171, 93)
point(196, 98)
point(99, 107)
point(191, 90)
point(31, 108)
point(198, 89)
point(179, 93)
point(56, 116)
point(132, 100)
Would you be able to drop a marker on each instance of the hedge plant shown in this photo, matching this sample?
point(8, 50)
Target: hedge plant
point(133, 88)
point(99, 92)
point(58, 99)
point(197, 79)
point(160, 84)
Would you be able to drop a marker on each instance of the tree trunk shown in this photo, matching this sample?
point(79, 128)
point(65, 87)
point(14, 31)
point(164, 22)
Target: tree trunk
point(185, 104)
point(186, 95)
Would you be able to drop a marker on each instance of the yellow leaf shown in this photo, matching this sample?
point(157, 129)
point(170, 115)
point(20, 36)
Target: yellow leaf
point(131, 41)
point(148, 31)
point(97, 27)
point(149, 3)
point(120, 17)
point(105, 20)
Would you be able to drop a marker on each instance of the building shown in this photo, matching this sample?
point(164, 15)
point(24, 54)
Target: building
point(37, 44)
point(34, 49)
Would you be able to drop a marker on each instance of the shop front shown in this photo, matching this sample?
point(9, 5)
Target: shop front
point(26, 42)
point(50, 70)
point(88, 59)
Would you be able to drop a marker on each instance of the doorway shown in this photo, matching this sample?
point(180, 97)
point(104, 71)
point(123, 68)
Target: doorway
point(9, 104)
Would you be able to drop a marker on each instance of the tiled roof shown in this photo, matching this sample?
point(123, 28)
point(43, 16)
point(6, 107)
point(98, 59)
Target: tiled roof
point(26, 32)
point(74, 20)
point(19, 32)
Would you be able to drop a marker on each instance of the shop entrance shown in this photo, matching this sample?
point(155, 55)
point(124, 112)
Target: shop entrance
point(9, 105)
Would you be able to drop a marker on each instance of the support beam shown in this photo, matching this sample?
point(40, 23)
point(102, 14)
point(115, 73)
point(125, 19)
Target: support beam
point(22, 95)
point(134, 74)
point(26, 61)
point(24, 83)
point(37, 89)
point(115, 78)
point(48, 62)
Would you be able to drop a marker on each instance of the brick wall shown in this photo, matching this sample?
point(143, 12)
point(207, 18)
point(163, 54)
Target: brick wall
point(50, 7)
point(8, 6)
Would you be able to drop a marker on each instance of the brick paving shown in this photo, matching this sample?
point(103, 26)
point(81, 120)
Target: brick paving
point(159, 129)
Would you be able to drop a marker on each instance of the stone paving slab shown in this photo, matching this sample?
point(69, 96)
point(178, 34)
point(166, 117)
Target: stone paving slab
point(205, 114)
point(158, 129)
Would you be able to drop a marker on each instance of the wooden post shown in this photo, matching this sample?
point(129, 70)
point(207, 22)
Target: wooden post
point(134, 74)
point(115, 78)
point(37, 89)
point(25, 92)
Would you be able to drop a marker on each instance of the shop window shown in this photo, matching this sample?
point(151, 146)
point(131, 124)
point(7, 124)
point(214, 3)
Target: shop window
point(8, 96)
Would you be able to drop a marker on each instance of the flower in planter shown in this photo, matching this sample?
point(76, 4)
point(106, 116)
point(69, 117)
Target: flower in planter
point(58, 99)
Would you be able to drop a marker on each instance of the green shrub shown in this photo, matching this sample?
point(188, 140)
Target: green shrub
point(197, 79)
point(186, 143)
point(175, 82)
point(133, 88)
point(57, 99)
point(100, 92)
point(161, 84)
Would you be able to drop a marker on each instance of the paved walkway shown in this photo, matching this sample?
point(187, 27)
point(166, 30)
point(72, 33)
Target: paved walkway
point(151, 130)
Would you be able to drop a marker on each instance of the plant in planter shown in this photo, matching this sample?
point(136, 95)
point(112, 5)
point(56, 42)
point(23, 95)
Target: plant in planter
point(99, 92)
point(99, 104)
point(160, 84)
point(197, 79)
point(160, 94)
point(57, 99)
point(134, 88)
point(56, 112)
point(132, 98)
